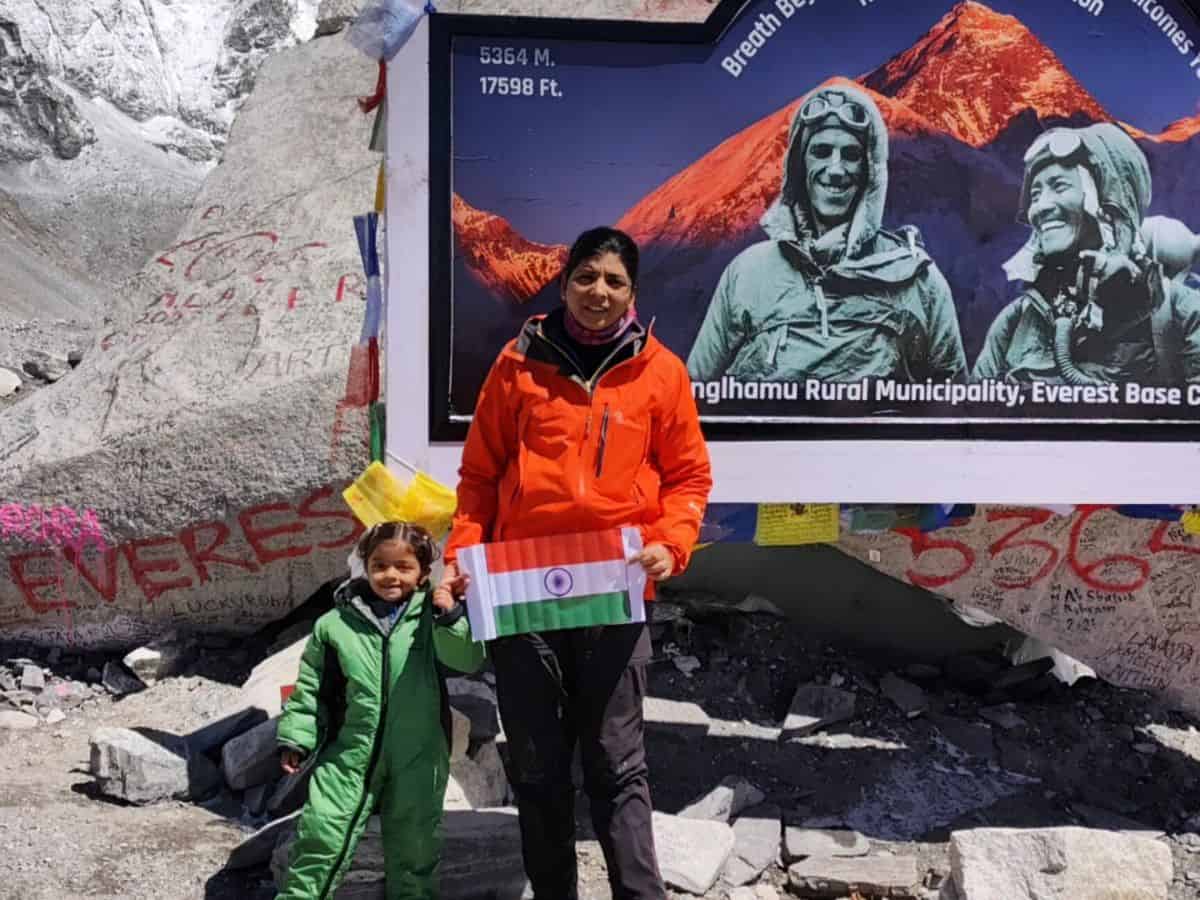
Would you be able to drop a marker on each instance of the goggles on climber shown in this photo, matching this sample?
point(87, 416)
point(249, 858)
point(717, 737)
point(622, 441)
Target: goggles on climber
point(1059, 143)
point(851, 113)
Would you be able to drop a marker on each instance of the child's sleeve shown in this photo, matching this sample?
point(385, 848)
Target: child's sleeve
point(298, 724)
point(453, 644)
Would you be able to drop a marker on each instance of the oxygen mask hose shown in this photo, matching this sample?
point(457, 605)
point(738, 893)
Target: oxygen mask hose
point(1064, 328)
point(1066, 313)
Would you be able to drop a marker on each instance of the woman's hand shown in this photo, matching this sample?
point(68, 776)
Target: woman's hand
point(453, 585)
point(291, 761)
point(657, 561)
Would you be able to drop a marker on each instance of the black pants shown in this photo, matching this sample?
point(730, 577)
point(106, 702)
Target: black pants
point(585, 685)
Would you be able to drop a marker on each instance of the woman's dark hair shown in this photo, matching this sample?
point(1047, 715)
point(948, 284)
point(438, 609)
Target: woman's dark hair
point(596, 241)
point(423, 546)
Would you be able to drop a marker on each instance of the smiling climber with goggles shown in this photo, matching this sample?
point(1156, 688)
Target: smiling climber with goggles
point(835, 103)
point(1058, 143)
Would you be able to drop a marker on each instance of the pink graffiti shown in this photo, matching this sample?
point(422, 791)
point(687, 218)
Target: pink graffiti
point(58, 526)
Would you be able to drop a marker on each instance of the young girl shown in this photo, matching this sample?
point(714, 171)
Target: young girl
point(371, 704)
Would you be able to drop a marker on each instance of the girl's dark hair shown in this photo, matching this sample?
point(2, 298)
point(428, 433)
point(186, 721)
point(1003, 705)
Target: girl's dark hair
point(423, 546)
point(596, 241)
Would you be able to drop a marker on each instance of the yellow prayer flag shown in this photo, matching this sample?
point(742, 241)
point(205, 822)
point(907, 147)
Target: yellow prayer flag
point(377, 496)
point(789, 524)
point(430, 503)
point(380, 190)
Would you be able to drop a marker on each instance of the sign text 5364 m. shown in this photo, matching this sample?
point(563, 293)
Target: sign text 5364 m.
point(515, 56)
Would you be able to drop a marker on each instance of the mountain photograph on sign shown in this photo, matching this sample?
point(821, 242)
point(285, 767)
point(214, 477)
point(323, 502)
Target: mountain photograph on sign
point(695, 157)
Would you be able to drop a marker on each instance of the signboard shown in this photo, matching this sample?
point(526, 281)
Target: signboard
point(913, 250)
point(1005, 318)
point(977, 287)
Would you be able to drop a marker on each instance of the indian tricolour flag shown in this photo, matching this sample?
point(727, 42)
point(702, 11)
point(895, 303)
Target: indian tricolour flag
point(544, 584)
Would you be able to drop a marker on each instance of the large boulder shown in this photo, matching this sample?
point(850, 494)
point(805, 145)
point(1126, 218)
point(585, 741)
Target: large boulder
point(205, 433)
point(1100, 590)
point(262, 689)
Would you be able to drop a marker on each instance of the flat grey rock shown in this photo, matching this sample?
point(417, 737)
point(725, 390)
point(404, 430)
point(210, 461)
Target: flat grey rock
point(691, 852)
point(816, 706)
point(799, 843)
point(133, 766)
point(756, 840)
point(251, 758)
point(257, 848)
point(1031, 864)
point(872, 875)
point(17, 720)
point(726, 800)
point(910, 699)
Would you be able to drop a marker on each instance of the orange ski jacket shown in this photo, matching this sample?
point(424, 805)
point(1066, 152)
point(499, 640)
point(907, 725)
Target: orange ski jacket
point(552, 452)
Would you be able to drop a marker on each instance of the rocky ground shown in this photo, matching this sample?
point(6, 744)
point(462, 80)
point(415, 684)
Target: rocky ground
point(750, 722)
point(38, 352)
point(59, 837)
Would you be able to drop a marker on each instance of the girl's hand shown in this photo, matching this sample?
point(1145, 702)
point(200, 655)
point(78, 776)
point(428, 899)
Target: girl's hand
point(453, 585)
point(443, 599)
point(290, 761)
point(656, 560)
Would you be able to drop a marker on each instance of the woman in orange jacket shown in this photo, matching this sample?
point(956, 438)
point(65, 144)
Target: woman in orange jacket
point(586, 421)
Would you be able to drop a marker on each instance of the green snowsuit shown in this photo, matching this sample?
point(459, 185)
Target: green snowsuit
point(373, 706)
point(876, 306)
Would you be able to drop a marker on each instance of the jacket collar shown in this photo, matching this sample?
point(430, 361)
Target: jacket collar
point(533, 345)
point(355, 593)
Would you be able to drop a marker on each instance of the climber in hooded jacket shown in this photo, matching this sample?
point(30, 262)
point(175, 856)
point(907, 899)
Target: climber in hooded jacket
point(831, 296)
point(370, 710)
point(1103, 295)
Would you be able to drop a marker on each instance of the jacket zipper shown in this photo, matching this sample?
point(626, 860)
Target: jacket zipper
point(374, 760)
point(603, 440)
point(589, 387)
point(587, 430)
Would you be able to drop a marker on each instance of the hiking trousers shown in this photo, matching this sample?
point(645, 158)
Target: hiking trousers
point(585, 686)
